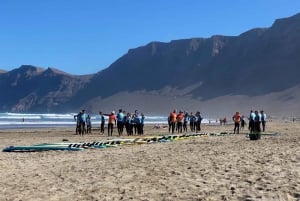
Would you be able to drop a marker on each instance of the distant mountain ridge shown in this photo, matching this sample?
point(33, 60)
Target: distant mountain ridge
point(31, 88)
point(2, 71)
point(256, 63)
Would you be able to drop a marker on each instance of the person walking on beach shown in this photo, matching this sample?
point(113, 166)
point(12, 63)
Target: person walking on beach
point(263, 120)
point(236, 119)
point(111, 122)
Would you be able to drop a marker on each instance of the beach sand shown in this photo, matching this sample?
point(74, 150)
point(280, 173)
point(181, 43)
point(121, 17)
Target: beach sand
point(205, 168)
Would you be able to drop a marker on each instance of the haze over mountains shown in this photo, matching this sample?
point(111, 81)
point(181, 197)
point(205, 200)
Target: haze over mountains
point(258, 69)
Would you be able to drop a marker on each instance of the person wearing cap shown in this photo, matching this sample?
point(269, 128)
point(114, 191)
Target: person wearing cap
point(111, 122)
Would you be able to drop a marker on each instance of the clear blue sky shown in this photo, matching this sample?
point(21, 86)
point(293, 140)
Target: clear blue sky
point(85, 36)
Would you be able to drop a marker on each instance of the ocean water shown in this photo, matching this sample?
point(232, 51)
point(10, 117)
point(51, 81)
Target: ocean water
point(25, 120)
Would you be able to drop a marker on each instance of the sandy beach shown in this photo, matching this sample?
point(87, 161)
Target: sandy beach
point(228, 167)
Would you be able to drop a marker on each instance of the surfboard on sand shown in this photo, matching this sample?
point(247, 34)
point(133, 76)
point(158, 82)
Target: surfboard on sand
point(40, 148)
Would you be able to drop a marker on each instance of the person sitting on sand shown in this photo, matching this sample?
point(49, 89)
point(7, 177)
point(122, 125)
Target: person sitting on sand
point(157, 126)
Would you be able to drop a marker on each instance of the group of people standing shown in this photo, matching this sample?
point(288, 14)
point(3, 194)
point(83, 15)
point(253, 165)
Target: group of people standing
point(133, 123)
point(83, 123)
point(179, 121)
point(257, 121)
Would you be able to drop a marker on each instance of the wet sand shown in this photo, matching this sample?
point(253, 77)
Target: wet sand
point(204, 168)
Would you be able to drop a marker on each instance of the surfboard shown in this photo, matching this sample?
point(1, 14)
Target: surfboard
point(269, 134)
point(40, 148)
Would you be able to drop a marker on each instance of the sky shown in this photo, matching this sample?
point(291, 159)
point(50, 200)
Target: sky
point(85, 36)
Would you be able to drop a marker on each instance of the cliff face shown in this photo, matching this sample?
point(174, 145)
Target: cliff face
point(253, 64)
point(256, 62)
